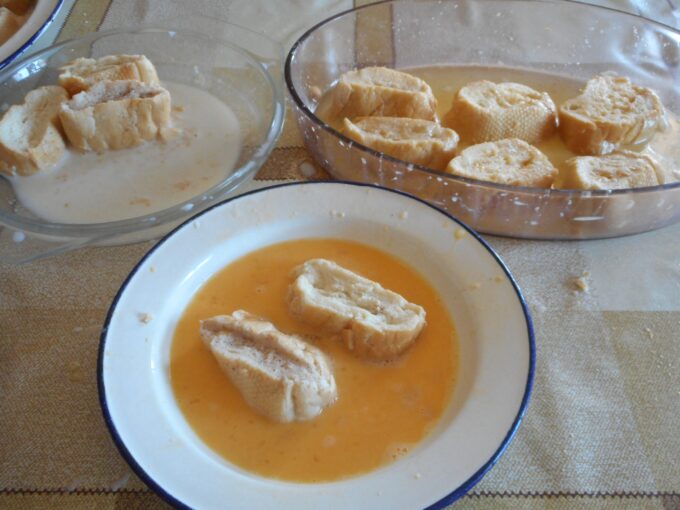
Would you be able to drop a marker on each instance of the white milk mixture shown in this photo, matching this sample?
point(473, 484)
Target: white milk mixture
point(116, 185)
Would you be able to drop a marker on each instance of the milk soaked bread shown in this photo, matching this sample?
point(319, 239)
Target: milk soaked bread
point(83, 73)
point(379, 92)
point(9, 24)
point(280, 376)
point(510, 161)
point(115, 115)
point(373, 322)
point(30, 137)
point(610, 112)
point(620, 170)
point(414, 140)
point(484, 111)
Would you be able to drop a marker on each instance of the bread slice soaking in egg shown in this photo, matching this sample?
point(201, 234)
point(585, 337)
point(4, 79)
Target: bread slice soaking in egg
point(281, 376)
point(373, 322)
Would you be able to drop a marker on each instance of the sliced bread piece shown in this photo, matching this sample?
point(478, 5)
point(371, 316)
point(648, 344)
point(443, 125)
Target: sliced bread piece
point(511, 161)
point(280, 376)
point(484, 111)
point(379, 92)
point(372, 321)
point(82, 73)
point(414, 140)
point(30, 139)
point(610, 112)
point(115, 115)
point(620, 170)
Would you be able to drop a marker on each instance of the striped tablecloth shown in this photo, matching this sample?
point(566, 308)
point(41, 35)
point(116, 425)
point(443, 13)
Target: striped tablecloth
point(603, 427)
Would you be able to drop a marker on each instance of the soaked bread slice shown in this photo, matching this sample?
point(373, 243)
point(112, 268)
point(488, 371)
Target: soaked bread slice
point(484, 111)
point(115, 115)
point(280, 376)
point(30, 138)
point(9, 24)
point(414, 140)
point(620, 170)
point(509, 161)
point(610, 112)
point(82, 73)
point(372, 321)
point(379, 92)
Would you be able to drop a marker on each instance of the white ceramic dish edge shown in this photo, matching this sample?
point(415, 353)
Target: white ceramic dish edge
point(42, 16)
point(369, 484)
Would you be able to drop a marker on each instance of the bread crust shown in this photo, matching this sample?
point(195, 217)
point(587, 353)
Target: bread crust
point(30, 136)
point(280, 376)
point(418, 141)
point(609, 113)
point(380, 92)
point(115, 115)
point(373, 322)
point(83, 73)
point(510, 161)
point(485, 111)
point(620, 170)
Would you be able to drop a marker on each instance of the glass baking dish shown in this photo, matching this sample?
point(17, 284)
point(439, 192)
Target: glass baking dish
point(559, 37)
point(248, 81)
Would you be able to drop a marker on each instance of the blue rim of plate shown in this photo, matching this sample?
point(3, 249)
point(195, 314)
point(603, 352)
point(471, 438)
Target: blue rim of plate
point(459, 491)
point(32, 39)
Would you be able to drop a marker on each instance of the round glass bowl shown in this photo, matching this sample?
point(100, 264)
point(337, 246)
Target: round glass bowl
point(573, 40)
point(249, 84)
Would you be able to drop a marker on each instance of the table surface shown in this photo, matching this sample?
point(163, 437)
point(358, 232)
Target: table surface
point(603, 426)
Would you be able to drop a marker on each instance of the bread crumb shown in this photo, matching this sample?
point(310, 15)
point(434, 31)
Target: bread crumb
point(498, 279)
point(145, 317)
point(581, 283)
point(459, 234)
point(337, 214)
point(417, 476)
point(178, 108)
point(314, 92)
point(475, 285)
point(650, 334)
point(152, 269)
point(403, 215)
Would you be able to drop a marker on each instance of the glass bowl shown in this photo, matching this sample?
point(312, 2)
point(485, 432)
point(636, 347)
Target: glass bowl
point(574, 40)
point(249, 83)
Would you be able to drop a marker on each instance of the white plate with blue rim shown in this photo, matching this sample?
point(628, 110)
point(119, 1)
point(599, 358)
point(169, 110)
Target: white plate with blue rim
point(494, 330)
point(36, 23)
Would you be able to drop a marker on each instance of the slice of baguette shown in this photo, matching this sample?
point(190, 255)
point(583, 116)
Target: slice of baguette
point(380, 92)
point(280, 376)
point(83, 73)
point(509, 161)
point(484, 111)
point(9, 24)
point(610, 112)
point(30, 138)
point(414, 140)
point(620, 170)
point(374, 322)
point(115, 115)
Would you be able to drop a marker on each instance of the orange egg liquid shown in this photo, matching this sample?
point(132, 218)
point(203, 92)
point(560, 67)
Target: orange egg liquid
point(382, 410)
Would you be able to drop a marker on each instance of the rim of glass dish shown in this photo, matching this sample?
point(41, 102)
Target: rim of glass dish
point(177, 211)
point(443, 175)
point(451, 497)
